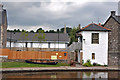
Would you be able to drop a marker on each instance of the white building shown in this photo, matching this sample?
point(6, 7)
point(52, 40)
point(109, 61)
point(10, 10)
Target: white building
point(94, 39)
point(52, 42)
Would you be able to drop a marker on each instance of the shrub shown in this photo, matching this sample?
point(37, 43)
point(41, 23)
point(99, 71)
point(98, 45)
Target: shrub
point(88, 61)
point(105, 65)
point(87, 64)
point(96, 64)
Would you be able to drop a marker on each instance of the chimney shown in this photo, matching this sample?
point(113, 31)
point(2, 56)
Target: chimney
point(113, 13)
point(100, 24)
point(65, 29)
point(79, 26)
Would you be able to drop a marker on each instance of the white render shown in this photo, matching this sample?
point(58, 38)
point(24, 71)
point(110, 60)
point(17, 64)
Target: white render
point(100, 50)
point(55, 45)
point(15, 44)
point(38, 45)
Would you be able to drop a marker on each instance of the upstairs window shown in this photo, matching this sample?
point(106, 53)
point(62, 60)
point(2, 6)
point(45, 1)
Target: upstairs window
point(95, 38)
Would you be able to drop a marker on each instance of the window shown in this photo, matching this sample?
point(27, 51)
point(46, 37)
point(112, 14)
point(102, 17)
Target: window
point(95, 38)
point(93, 55)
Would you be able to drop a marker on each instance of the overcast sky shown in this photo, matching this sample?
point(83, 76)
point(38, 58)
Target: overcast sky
point(53, 15)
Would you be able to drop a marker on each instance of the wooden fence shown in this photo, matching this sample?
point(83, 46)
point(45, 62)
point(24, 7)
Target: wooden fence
point(34, 54)
point(4, 52)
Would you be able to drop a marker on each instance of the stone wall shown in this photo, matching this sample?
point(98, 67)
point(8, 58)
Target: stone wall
point(113, 42)
point(74, 46)
point(113, 59)
point(112, 35)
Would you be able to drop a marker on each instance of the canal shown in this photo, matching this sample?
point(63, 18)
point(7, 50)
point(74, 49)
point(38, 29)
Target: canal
point(63, 74)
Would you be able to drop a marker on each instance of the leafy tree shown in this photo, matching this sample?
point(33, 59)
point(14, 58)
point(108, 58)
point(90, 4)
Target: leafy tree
point(72, 35)
point(41, 37)
point(23, 30)
point(15, 30)
point(18, 30)
point(31, 31)
point(67, 29)
point(35, 36)
point(58, 30)
point(47, 32)
point(9, 30)
point(25, 37)
point(51, 31)
point(40, 30)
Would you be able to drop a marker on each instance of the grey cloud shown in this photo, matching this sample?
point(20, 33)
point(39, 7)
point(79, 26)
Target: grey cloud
point(22, 14)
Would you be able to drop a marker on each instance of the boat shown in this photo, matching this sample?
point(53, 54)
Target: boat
point(41, 62)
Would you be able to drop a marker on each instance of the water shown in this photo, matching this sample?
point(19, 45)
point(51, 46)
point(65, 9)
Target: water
point(64, 74)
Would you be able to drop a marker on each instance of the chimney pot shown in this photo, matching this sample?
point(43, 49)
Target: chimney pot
point(99, 23)
point(79, 26)
point(65, 29)
point(113, 13)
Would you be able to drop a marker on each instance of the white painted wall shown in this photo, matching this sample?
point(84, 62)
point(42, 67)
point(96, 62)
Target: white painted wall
point(55, 45)
point(42, 45)
point(37, 45)
point(15, 44)
point(100, 50)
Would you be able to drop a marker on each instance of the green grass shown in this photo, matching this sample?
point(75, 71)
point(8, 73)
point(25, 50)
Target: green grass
point(23, 64)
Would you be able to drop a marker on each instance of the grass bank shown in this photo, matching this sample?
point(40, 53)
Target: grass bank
point(23, 64)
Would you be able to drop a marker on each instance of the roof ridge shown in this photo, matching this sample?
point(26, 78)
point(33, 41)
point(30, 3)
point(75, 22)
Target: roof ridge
point(93, 24)
point(117, 15)
point(103, 27)
point(86, 26)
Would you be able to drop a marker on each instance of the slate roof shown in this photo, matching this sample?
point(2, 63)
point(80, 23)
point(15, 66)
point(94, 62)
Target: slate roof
point(115, 17)
point(94, 27)
point(17, 36)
